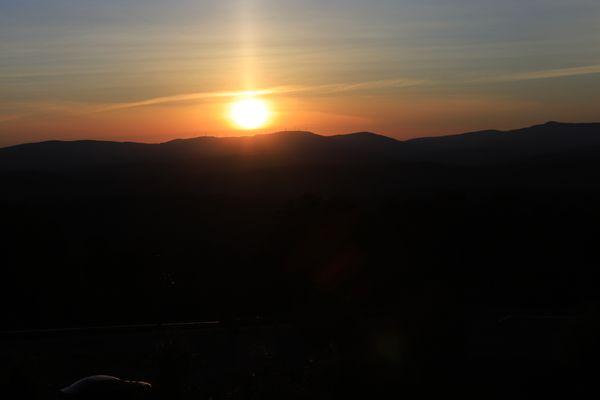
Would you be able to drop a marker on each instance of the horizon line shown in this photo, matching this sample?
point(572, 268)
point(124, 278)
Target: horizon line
point(295, 131)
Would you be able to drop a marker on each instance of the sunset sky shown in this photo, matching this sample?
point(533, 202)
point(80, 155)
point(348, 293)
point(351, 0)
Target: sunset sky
point(152, 70)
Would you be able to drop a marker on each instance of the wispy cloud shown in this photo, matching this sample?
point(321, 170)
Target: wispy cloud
point(316, 89)
point(73, 108)
point(544, 74)
point(356, 86)
point(180, 98)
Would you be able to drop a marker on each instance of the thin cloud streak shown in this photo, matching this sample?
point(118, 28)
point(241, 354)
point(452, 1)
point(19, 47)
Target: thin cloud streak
point(318, 89)
point(181, 98)
point(546, 74)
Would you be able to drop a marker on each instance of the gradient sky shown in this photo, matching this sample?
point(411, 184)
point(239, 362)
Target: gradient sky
point(151, 70)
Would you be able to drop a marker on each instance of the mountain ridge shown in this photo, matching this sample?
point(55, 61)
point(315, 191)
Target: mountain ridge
point(305, 147)
point(594, 125)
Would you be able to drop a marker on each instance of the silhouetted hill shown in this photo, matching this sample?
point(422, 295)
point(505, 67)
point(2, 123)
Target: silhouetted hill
point(368, 245)
point(504, 146)
point(58, 154)
point(283, 147)
point(491, 146)
point(293, 213)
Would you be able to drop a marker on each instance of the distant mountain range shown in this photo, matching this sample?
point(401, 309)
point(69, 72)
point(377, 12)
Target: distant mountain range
point(294, 223)
point(552, 139)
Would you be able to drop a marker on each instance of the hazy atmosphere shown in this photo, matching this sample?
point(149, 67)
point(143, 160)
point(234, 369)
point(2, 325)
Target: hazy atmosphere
point(153, 71)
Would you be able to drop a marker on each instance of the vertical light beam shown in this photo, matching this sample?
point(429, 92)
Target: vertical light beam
point(248, 39)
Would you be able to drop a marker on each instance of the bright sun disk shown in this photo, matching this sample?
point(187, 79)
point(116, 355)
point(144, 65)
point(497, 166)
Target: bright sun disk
point(249, 113)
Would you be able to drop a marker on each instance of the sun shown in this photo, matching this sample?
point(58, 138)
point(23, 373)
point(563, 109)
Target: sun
point(250, 113)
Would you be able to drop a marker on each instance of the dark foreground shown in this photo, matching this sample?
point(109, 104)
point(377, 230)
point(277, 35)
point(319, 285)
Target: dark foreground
point(376, 269)
point(510, 357)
